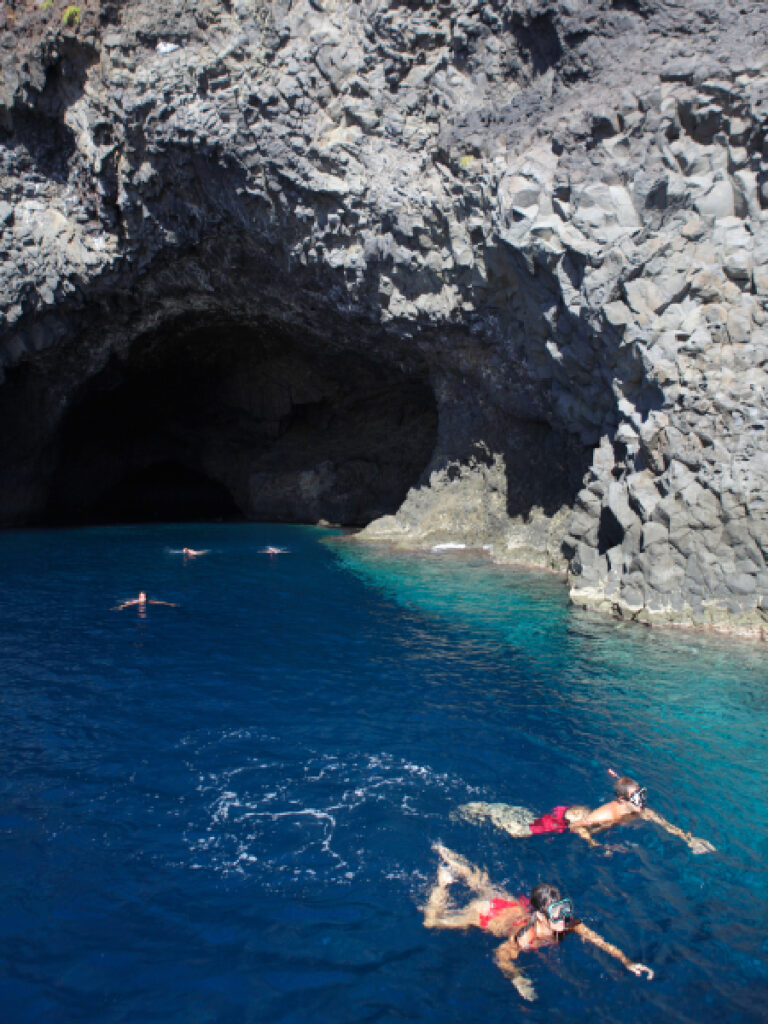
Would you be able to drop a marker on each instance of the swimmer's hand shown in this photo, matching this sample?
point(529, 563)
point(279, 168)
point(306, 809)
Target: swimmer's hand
point(524, 987)
point(700, 845)
point(639, 969)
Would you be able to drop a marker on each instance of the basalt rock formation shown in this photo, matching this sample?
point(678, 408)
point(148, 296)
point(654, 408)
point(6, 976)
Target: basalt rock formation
point(492, 273)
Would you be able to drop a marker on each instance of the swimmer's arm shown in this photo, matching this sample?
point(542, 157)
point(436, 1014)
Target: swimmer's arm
point(586, 835)
point(696, 845)
point(587, 935)
point(168, 604)
point(125, 604)
point(505, 957)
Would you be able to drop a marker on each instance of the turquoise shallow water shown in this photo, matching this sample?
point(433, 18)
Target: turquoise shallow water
point(223, 811)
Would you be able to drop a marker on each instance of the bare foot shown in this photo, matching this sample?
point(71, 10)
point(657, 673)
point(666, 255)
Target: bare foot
point(458, 866)
point(450, 858)
point(444, 875)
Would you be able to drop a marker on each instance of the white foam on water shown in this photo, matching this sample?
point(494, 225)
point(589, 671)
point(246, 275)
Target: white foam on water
point(304, 816)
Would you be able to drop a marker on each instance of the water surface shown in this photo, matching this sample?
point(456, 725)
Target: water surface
point(223, 811)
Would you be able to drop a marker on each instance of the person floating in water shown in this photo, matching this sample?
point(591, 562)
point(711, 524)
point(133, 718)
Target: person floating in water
point(191, 553)
point(524, 924)
point(270, 550)
point(629, 805)
point(141, 602)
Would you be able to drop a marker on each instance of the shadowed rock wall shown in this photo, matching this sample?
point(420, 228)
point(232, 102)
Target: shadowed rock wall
point(510, 255)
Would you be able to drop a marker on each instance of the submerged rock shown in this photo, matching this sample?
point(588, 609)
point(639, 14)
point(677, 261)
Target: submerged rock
point(468, 273)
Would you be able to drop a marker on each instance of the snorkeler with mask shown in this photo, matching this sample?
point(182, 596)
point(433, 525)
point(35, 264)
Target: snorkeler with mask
point(630, 804)
point(525, 924)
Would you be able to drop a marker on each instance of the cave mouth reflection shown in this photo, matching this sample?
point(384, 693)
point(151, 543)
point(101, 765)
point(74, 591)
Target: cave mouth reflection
point(223, 421)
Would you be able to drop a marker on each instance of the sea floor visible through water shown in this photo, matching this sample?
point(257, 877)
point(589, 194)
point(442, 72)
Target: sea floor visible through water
point(223, 809)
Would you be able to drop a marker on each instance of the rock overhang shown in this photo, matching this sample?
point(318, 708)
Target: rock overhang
point(289, 431)
point(566, 254)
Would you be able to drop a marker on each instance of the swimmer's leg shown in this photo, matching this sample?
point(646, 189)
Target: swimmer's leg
point(436, 907)
point(439, 912)
point(460, 868)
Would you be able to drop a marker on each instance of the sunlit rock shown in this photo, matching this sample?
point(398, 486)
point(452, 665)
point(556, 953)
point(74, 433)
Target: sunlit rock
point(486, 274)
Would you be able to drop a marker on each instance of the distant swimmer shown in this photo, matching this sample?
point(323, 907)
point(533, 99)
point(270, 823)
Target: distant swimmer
point(629, 805)
point(191, 553)
point(526, 924)
point(141, 603)
point(269, 550)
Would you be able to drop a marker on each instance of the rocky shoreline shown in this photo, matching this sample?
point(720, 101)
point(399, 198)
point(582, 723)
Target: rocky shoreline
point(468, 273)
point(715, 623)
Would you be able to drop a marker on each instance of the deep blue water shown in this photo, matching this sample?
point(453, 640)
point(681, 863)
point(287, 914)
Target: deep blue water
point(223, 812)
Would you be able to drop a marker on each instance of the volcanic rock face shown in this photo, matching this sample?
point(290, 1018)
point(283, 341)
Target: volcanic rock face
point(492, 273)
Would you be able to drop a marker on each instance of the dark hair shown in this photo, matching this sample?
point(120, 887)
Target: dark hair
point(624, 787)
point(543, 894)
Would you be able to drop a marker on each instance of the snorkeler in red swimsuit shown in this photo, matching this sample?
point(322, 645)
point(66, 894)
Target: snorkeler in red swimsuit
point(524, 924)
point(629, 805)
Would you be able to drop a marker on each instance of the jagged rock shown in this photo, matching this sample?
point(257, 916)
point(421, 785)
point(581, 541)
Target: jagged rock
point(481, 277)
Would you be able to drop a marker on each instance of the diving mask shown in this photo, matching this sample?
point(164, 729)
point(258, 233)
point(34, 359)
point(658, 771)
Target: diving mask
point(560, 910)
point(639, 797)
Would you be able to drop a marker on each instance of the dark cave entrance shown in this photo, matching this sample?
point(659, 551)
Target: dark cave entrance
point(164, 492)
point(223, 421)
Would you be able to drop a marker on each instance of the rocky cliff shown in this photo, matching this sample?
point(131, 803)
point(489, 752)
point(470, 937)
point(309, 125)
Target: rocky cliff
point(480, 272)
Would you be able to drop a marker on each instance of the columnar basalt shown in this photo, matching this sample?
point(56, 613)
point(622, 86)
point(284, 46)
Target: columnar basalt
point(512, 256)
